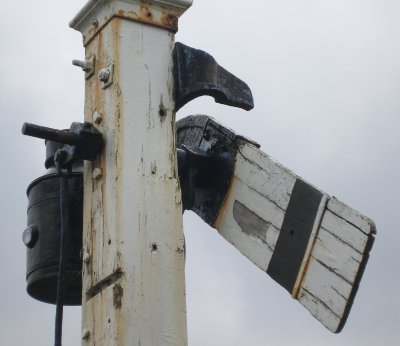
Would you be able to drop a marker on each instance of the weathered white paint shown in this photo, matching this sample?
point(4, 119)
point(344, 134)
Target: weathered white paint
point(337, 249)
point(326, 248)
point(351, 216)
point(263, 186)
point(319, 310)
point(264, 175)
point(258, 252)
point(328, 287)
point(133, 283)
point(336, 260)
point(345, 231)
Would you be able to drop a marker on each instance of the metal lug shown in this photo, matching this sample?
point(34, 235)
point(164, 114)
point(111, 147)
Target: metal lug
point(198, 74)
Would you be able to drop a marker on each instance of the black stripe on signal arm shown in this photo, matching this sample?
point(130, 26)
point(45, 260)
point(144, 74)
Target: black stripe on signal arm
point(295, 234)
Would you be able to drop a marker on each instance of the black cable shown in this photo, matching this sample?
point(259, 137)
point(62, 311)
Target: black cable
point(63, 235)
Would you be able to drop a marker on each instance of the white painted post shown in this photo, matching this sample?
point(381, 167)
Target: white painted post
point(133, 275)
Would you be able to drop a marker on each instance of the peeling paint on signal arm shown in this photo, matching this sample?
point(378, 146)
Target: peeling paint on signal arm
point(313, 245)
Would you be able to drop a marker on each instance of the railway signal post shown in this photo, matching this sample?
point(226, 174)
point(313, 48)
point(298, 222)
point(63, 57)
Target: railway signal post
point(133, 245)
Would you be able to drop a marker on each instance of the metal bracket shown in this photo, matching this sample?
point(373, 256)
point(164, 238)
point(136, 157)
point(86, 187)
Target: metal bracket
point(197, 170)
point(206, 158)
point(198, 74)
point(81, 142)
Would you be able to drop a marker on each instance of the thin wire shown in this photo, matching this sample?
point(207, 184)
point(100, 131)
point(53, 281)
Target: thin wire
point(61, 265)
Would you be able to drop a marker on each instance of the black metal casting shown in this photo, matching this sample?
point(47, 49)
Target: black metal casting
point(206, 166)
point(67, 148)
point(42, 236)
point(81, 142)
point(198, 74)
point(197, 169)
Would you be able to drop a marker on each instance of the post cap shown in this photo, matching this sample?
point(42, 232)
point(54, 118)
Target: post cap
point(97, 13)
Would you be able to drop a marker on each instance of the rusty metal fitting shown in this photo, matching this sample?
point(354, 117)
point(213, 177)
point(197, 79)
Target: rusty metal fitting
point(104, 75)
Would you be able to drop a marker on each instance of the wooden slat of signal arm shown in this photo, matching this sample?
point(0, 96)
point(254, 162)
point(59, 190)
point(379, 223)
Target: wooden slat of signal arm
point(313, 245)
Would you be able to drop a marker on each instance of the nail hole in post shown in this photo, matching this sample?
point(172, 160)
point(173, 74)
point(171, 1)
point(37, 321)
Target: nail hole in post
point(162, 111)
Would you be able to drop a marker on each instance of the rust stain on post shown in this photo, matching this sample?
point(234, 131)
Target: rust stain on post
point(148, 15)
point(166, 20)
point(118, 292)
point(118, 126)
point(169, 21)
point(145, 12)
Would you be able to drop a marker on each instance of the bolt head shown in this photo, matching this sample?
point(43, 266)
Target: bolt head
point(97, 118)
point(86, 257)
point(30, 236)
point(87, 67)
point(85, 334)
point(104, 75)
point(97, 173)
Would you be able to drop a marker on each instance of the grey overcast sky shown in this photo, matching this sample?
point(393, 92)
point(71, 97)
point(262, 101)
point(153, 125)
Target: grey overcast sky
point(325, 76)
